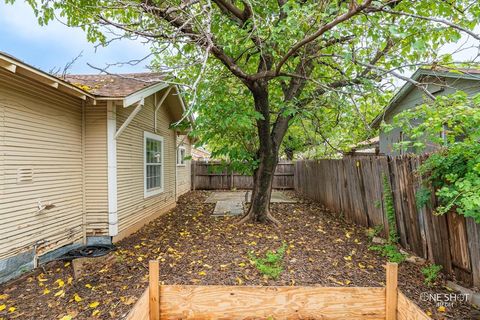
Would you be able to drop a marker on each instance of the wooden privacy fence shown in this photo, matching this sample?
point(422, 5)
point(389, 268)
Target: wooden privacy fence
point(256, 302)
point(214, 176)
point(353, 186)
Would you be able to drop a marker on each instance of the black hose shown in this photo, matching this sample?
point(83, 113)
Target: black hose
point(91, 251)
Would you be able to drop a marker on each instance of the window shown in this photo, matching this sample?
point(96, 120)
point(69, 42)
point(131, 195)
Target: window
point(153, 164)
point(181, 156)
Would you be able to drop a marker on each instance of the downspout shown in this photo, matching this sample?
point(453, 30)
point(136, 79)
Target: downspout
point(176, 161)
point(112, 168)
point(84, 204)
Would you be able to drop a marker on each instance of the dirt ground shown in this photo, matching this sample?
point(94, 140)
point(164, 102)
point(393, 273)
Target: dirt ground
point(194, 248)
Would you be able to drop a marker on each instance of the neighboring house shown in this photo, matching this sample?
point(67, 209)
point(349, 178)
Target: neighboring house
point(200, 154)
point(437, 82)
point(85, 159)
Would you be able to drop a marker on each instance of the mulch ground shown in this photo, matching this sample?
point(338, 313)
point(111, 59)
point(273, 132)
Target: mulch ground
point(194, 248)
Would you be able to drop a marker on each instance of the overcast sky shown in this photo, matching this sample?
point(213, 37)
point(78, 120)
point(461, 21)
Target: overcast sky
point(55, 45)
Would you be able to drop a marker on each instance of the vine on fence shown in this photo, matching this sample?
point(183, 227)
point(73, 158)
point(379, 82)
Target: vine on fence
point(390, 249)
point(451, 122)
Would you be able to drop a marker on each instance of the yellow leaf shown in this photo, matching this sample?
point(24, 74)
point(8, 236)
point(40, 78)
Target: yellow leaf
point(429, 313)
point(60, 283)
point(69, 280)
point(46, 291)
point(2, 307)
point(441, 309)
point(140, 259)
point(40, 278)
point(66, 318)
point(239, 281)
point(59, 293)
point(89, 286)
point(95, 313)
point(202, 273)
point(66, 264)
point(347, 235)
point(77, 298)
point(348, 258)
point(361, 265)
point(348, 281)
point(12, 309)
point(241, 264)
point(3, 296)
point(223, 266)
point(94, 304)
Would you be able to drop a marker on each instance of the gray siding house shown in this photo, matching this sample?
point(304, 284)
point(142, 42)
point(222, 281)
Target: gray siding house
point(437, 82)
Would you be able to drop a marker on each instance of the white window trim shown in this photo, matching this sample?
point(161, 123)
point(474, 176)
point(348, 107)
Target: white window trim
point(149, 193)
point(178, 156)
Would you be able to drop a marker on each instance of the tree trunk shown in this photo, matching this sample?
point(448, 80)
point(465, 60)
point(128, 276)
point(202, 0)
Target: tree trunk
point(267, 155)
point(259, 210)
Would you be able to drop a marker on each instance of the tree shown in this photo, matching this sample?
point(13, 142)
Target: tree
point(291, 56)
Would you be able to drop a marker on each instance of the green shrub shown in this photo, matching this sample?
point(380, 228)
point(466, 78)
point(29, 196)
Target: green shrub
point(272, 265)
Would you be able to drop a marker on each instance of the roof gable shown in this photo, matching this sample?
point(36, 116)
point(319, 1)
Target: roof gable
point(467, 74)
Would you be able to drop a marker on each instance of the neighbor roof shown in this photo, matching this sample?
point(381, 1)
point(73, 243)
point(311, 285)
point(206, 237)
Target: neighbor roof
point(115, 85)
point(469, 74)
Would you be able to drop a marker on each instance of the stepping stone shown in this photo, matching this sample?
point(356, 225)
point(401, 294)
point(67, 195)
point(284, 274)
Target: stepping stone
point(228, 208)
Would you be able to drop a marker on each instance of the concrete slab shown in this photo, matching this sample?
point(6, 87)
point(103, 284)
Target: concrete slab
point(228, 208)
point(239, 196)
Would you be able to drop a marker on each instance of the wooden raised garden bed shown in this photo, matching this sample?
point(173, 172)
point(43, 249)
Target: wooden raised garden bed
point(262, 302)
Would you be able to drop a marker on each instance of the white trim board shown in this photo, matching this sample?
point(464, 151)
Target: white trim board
point(112, 168)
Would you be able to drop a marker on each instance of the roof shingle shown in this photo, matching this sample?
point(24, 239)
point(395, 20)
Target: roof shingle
point(114, 85)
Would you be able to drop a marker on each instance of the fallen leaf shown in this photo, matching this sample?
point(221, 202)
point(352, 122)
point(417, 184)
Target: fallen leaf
point(46, 291)
point(94, 304)
point(59, 293)
point(77, 298)
point(202, 273)
point(12, 309)
point(89, 286)
point(66, 318)
point(441, 309)
point(3, 296)
point(95, 313)
point(2, 307)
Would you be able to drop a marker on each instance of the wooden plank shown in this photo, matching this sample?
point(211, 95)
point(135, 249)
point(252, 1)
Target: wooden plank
point(234, 302)
point(141, 309)
point(153, 289)
point(473, 235)
point(407, 310)
point(391, 291)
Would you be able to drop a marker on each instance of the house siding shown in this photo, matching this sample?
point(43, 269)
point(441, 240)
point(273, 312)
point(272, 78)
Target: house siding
point(40, 133)
point(184, 174)
point(96, 188)
point(416, 97)
point(133, 208)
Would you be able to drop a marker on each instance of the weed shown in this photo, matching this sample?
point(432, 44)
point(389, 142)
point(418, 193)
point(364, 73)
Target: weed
point(272, 265)
point(431, 273)
point(390, 251)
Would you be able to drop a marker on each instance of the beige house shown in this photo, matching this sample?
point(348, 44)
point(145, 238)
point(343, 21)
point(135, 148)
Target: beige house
point(85, 159)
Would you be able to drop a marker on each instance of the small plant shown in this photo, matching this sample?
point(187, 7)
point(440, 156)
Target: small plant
point(431, 273)
point(272, 265)
point(390, 251)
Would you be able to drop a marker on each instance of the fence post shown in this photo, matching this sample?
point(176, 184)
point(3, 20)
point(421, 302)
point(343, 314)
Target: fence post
point(154, 289)
point(391, 291)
